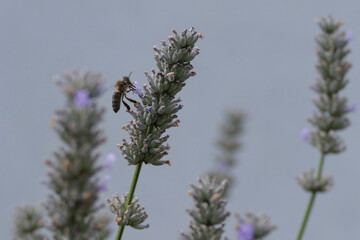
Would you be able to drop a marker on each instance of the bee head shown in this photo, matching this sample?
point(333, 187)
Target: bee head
point(124, 84)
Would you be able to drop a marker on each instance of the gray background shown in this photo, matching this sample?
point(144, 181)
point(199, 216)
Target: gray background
point(256, 55)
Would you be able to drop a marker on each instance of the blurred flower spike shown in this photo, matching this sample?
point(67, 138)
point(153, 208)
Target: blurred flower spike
point(209, 213)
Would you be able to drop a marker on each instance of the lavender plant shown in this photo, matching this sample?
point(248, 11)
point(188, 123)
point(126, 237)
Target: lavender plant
point(252, 227)
point(73, 207)
point(228, 145)
point(332, 108)
point(209, 213)
point(74, 172)
point(156, 112)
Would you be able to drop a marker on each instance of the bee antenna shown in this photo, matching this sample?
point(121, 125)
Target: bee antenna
point(130, 74)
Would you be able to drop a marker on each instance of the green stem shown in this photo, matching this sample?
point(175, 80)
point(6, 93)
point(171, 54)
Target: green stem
point(308, 210)
point(130, 196)
point(312, 199)
point(132, 190)
point(321, 165)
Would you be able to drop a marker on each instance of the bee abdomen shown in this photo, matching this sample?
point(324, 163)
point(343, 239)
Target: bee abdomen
point(116, 101)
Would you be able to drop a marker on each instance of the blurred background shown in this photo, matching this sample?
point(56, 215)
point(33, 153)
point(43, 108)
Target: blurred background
point(257, 55)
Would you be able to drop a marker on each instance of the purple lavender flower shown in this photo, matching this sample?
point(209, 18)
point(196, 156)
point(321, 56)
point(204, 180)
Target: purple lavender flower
point(149, 109)
point(305, 135)
point(349, 36)
point(110, 159)
point(352, 107)
point(246, 232)
point(138, 89)
point(223, 166)
point(82, 98)
point(103, 183)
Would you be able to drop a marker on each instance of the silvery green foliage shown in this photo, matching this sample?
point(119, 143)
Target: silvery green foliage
point(28, 223)
point(309, 182)
point(131, 215)
point(209, 213)
point(158, 107)
point(261, 224)
point(228, 145)
point(332, 108)
point(74, 171)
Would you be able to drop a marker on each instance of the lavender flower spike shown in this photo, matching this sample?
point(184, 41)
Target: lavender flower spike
point(209, 213)
point(73, 172)
point(156, 112)
point(332, 108)
point(228, 145)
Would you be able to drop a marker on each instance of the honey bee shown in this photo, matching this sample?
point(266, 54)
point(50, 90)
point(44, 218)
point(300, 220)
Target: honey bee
point(121, 88)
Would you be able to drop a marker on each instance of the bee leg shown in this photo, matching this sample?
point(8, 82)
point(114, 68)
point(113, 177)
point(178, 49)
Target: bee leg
point(131, 100)
point(130, 89)
point(126, 105)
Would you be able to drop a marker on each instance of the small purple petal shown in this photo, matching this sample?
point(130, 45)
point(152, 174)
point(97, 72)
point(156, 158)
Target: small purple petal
point(137, 90)
point(349, 36)
point(110, 159)
point(167, 147)
point(44, 182)
point(141, 125)
point(82, 98)
point(246, 232)
point(149, 109)
point(305, 135)
point(103, 183)
point(223, 166)
point(352, 107)
point(179, 107)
